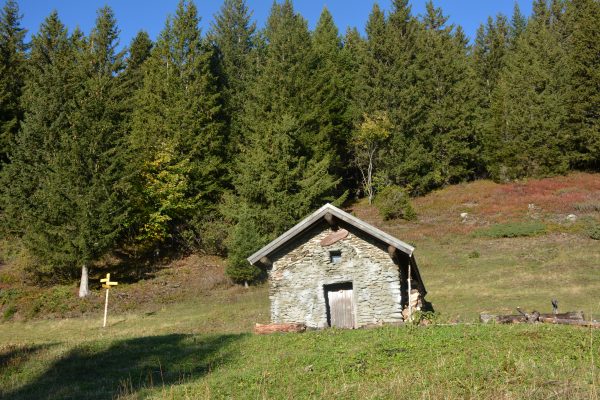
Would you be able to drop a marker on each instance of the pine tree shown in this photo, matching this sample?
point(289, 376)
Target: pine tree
point(330, 119)
point(491, 46)
point(276, 181)
point(436, 144)
point(528, 110)
point(488, 60)
point(69, 162)
point(12, 73)
point(518, 23)
point(47, 101)
point(139, 51)
point(178, 133)
point(234, 35)
point(582, 43)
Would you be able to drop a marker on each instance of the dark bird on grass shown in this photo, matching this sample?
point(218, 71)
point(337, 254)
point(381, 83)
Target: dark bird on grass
point(554, 306)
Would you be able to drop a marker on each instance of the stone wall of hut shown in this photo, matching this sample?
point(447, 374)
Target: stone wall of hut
point(302, 269)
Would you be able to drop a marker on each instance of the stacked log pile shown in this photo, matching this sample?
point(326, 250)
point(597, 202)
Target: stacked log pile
point(415, 302)
point(265, 329)
point(569, 318)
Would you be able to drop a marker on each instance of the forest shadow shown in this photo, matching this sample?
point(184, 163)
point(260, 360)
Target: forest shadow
point(15, 356)
point(133, 267)
point(127, 366)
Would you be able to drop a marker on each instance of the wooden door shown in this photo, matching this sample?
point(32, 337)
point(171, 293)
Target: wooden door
point(341, 306)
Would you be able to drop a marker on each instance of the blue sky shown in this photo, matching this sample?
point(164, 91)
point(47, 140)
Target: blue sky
point(133, 15)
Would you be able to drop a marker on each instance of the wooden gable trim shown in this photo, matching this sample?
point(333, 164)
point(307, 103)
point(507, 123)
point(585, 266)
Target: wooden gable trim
point(317, 216)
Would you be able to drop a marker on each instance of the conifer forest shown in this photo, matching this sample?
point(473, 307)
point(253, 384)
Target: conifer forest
point(218, 141)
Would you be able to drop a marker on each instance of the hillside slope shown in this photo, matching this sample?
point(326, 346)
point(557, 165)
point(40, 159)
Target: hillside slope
point(182, 332)
point(466, 265)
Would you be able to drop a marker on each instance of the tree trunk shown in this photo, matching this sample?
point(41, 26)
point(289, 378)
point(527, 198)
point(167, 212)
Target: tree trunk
point(83, 286)
point(370, 177)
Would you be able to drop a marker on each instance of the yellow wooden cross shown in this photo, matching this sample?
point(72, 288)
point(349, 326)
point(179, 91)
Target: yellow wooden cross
point(107, 282)
point(106, 285)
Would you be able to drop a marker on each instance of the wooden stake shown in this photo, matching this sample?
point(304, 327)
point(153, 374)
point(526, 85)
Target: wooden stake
point(107, 284)
point(409, 293)
point(105, 308)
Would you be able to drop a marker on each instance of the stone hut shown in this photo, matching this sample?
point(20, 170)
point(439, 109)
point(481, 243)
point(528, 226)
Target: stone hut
point(333, 269)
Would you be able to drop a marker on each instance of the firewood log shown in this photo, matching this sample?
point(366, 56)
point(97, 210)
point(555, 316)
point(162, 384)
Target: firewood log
point(550, 320)
point(264, 329)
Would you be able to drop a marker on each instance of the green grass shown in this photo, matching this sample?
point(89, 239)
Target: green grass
point(512, 229)
point(468, 361)
point(509, 273)
point(183, 334)
point(202, 348)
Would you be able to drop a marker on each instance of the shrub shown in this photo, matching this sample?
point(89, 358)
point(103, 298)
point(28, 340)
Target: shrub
point(421, 317)
point(393, 202)
point(513, 229)
point(9, 311)
point(589, 206)
point(243, 241)
point(8, 298)
point(207, 234)
point(594, 231)
point(474, 254)
point(55, 300)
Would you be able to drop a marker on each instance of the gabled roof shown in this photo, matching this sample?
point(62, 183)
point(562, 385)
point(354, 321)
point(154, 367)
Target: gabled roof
point(316, 217)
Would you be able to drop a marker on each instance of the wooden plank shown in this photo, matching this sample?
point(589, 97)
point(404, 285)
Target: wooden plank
point(334, 237)
point(350, 308)
point(334, 308)
point(263, 329)
point(341, 308)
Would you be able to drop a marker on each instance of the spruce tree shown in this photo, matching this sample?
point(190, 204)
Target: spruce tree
point(178, 133)
point(234, 36)
point(47, 101)
point(276, 181)
point(12, 74)
point(384, 85)
point(436, 144)
point(518, 23)
point(70, 195)
point(488, 60)
point(94, 178)
point(373, 83)
point(528, 113)
point(138, 52)
point(491, 46)
point(582, 45)
point(330, 119)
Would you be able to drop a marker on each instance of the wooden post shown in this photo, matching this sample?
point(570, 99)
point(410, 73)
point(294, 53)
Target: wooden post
point(409, 292)
point(105, 308)
point(392, 252)
point(107, 284)
point(266, 261)
point(331, 221)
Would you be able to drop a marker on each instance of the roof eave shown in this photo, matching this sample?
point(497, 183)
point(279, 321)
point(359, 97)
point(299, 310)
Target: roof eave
point(316, 216)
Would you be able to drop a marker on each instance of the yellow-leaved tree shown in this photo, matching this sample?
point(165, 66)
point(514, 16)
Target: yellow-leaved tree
point(367, 139)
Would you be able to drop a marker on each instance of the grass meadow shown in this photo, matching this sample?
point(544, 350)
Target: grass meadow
point(184, 333)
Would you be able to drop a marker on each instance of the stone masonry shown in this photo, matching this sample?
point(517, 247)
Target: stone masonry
point(302, 268)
